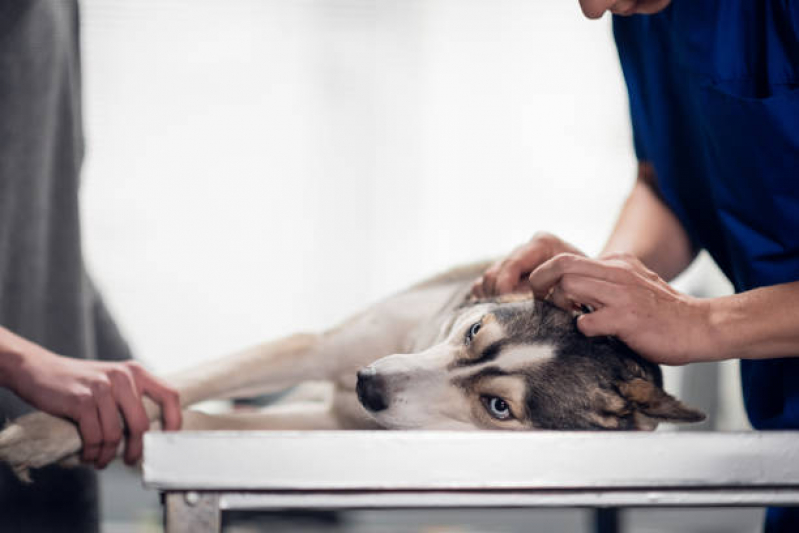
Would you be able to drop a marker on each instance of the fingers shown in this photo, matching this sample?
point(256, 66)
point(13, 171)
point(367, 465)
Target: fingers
point(110, 424)
point(128, 398)
point(167, 397)
point(574, 291)
point(502, 277)
point(507, 275)
point(113, 395)
point(89, 426)
point(99, 423)
point(477, 288)
point(560, 299)
point(488, 285)
point(544, 278)
point(510, 277)
point(484, 284)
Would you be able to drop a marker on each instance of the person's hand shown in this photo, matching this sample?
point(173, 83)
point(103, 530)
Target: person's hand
point(594, 9)
point(630, 302)
point(97, 396)
point(510, 274)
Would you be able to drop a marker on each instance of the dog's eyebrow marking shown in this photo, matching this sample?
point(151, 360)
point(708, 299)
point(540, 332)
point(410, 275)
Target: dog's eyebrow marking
point(492, 371)
point(487, 355)
point(487, 372)
point(522, 356)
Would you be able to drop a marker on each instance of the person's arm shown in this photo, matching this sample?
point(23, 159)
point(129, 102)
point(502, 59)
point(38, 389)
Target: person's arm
point(757, 324)
point(96, 395)
point(649, 230)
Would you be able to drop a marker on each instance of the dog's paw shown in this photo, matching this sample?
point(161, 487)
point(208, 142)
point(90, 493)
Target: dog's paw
point(37, 440)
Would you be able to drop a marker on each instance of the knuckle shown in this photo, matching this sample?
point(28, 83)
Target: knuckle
point(559, 299)
point(173, 396)
point(84, 402)
point(134, 367)
point(624, 267)
point(544, 237)
point(138, 427)
point(503, 286)
point(621, 256)
point(565, 260)
point(114, 438)
point(101, 384)
point(514, 263)
point(91, 439)
point(650, 274)
point(117, 375)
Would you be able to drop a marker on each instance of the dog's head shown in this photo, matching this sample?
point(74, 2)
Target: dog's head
point(521, 365)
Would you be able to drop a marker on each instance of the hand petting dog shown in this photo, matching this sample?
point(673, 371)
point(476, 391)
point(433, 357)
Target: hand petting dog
point(629, 301)
point(510, 274)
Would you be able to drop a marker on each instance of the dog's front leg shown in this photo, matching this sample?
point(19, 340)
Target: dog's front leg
point(268, 367)
point(279, 417)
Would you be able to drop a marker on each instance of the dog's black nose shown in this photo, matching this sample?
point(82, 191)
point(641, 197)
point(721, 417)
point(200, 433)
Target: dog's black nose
point(371, 389)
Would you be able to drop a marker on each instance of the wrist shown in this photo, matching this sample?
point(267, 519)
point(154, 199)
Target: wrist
point(717, 322)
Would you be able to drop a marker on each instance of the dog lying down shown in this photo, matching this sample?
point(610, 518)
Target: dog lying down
point(430, 357)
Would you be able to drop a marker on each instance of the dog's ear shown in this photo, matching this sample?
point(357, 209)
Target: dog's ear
point(656, 405)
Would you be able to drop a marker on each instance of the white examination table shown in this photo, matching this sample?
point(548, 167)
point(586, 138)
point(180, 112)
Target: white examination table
point(203, 474)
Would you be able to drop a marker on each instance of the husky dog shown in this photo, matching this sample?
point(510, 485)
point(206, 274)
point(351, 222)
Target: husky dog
point(430, 357)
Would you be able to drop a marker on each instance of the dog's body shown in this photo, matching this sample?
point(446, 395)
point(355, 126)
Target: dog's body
point(429, 357)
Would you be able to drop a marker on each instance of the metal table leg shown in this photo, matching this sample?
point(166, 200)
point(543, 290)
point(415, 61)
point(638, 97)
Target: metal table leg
point(192, 512)
point(606, 520)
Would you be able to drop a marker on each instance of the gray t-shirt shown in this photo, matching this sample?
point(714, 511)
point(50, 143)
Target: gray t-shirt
point(45, 293)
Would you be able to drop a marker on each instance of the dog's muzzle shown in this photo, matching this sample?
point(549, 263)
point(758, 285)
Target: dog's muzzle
point(371, 390)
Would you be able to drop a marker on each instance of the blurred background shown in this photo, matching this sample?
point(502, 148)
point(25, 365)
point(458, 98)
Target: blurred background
point(260, 167)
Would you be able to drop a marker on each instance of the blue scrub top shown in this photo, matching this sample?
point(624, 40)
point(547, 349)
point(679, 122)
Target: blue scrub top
point(714, 99)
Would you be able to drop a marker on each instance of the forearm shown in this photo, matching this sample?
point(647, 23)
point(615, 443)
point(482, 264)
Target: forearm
point(647, 229)
point(12, 353)
point(758, 324)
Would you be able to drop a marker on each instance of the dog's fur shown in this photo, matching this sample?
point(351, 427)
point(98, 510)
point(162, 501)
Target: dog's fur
point(430, 357)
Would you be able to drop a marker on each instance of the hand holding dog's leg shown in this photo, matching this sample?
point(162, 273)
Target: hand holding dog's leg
point(39, 439)
point(101, 398)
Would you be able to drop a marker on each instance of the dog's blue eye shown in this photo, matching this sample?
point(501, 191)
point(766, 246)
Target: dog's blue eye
point(472, 332)
point(497, 407)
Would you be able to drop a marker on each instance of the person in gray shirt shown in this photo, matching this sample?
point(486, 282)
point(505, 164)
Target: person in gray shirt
point(60, 350)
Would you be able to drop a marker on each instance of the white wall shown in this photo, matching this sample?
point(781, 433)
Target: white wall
point(256, 167)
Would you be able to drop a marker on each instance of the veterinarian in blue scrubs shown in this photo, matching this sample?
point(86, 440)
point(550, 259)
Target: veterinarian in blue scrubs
point(49, 307)
point(714, 99)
